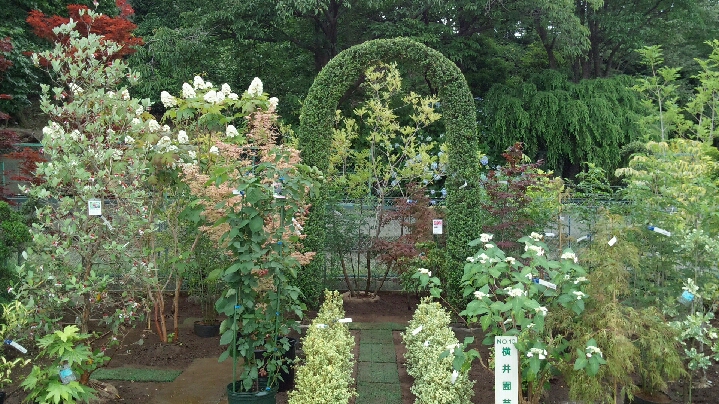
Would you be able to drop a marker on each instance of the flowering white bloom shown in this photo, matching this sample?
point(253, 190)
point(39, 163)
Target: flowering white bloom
point(579, 294)
point(537, 249)
point(510, 260)
point(484, 237)
point(75, 88)
point(214, 150)
point(129, 139)
point(207, 85)
point(529, 275)
point(712, 335)
point(255, 89)
point(593, 350)
point(192, 154)
point(233, 96)
point(542, 353)
point(139, 110)
point(480, 295)
point(424, 271)
point(226, 90)
point(543, 310)
point(110, 94)
point(219, 97)
point(514, 292)
point(117, 154)
point(580, 279)
point(569, 255)
point(75, 135)
point(125, 94)
point(136, 121)
point(488, 246)
point(165, 128)
point(211, 97)
point(536, 236)
point(188, 91)
point(483, 258)
point(273, 103)
point(153, 125)
point(470, 259)
point(231, 131)
point(167, 99)
point(182, 137)
point(198, 83)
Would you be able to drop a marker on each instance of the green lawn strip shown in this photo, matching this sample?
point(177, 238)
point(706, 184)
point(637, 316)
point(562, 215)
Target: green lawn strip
point(136, 374)
point(378, 326)
point(379, 393)
point(369, 352)
point(377, 372)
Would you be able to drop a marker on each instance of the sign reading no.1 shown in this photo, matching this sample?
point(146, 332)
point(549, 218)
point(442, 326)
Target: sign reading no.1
point(436, 226)
point(506, 371)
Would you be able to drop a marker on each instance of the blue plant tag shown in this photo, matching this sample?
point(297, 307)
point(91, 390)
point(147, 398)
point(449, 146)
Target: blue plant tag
point(686, 297)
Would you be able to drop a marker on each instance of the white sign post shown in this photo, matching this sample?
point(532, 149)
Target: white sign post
point(506, 371)
point(436, 226)
point(94, 207)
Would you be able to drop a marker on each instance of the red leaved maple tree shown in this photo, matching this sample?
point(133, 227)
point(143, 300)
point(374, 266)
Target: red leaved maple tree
point(117, 29)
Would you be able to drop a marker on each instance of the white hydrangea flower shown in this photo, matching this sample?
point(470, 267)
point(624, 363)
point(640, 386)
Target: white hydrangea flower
point(129, 139)
point(569, 255)
point(231, 131)
point(226, 90)
point(514, 292)
point(488, 246)
point(117, 154)
point(165, 128)
point(207, 85)
point(75, 135)
point(219, 97)
point(273, 103)
point(110, 94)
point(580, 279)
point(470, 259)
point(182, 137)
point(510, 260)
point(529, 275)
point(233, 96)
point(543, 310)
point(592, 350)
point(541, 353)
point(480, 295)
point(153, 126)
point(167, 99)
point(483, 258)
point(539, 251)
point(192, 154)
point(485, 238)
point(125, 94)
point(424, 271)
point(164, 143)
point(75, 88)
point(198, 83)
point(255, 89)
point(136, 121)
point(214, 150)
point(211, 97)
point(139, 110)
point(536, 236)
point(188, 91)
point(579, 294)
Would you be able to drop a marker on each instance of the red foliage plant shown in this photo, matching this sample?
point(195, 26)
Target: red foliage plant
point(117, 29)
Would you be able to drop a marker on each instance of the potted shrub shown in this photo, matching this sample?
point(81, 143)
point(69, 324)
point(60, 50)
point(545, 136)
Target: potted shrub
point(203, 289)
point(13, 318)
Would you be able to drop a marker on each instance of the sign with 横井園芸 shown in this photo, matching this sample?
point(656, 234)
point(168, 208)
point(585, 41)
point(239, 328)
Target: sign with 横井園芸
point(94, 207)
point(436, 226)
point(506, 371)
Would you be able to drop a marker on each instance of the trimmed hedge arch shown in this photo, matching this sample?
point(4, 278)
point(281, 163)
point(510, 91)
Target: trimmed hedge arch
point(458, 110)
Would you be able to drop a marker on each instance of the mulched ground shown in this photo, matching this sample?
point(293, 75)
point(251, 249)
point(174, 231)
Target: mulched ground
point(392, 307)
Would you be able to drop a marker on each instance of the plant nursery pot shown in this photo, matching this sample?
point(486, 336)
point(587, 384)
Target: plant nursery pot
point(2, 397)
point(649, 398)
point(255, 397)
point(203, 330)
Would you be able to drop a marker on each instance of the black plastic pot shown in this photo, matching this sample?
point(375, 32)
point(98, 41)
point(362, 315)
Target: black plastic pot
point(203, 330)
point(262, 396)
point(2, 397)
point(644, 398)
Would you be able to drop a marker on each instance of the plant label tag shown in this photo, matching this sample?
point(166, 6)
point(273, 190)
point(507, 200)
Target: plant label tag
point(550, 285)
point(94, 207)
point(417, 330)
point(583, 238)
point(107, 223)
point(612, 241)
point(321, 325)
point(426, 343)
point(550, 235)
point(344, 320)
point(436, 226)
point(686, 297)
point(455, 374)
point(506, 370)
point(660, 231)
point(236, 192)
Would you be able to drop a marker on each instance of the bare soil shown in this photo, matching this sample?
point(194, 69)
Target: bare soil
point(142, 348)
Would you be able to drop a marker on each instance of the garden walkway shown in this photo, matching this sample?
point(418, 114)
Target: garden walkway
point(377, 375)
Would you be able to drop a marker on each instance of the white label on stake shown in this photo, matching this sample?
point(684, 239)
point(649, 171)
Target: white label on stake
point(583, 238)
point(321, 325)
point(550, 285)
point(94, 207)
point(455, 374)
point(612, 241)
point(660, 231)
point(344, 320)
point(417, 330)
point(506, 370)
point(436, 226)
point(107, 223)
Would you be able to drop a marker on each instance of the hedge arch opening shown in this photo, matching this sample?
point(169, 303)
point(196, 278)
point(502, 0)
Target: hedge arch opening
point(458, 110)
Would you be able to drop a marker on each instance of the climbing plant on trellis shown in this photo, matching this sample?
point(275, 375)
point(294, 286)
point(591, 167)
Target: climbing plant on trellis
point(458, 110)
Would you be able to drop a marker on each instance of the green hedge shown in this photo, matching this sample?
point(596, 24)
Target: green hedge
point(458, 110)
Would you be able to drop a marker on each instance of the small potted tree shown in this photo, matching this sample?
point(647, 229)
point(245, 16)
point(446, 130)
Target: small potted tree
point(203, 289)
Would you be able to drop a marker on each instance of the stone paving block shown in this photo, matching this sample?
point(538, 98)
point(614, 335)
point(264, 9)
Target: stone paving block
point(377, 372)
point(379, 393)
point(376, 337)
point(377, 353)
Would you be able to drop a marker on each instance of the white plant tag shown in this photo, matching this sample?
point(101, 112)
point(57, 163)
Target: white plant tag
point(344, 320)
point(612, 241)
point(94, 207)
point(417, 330)
point(583, 238)
point(550, 235)
point(550, 285)
point(660, 231)
point(426, 343)
point(107, 223)
point(455, 374)
point(321, 325)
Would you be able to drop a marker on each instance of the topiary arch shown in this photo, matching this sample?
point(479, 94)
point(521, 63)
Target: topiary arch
point(458, 110)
